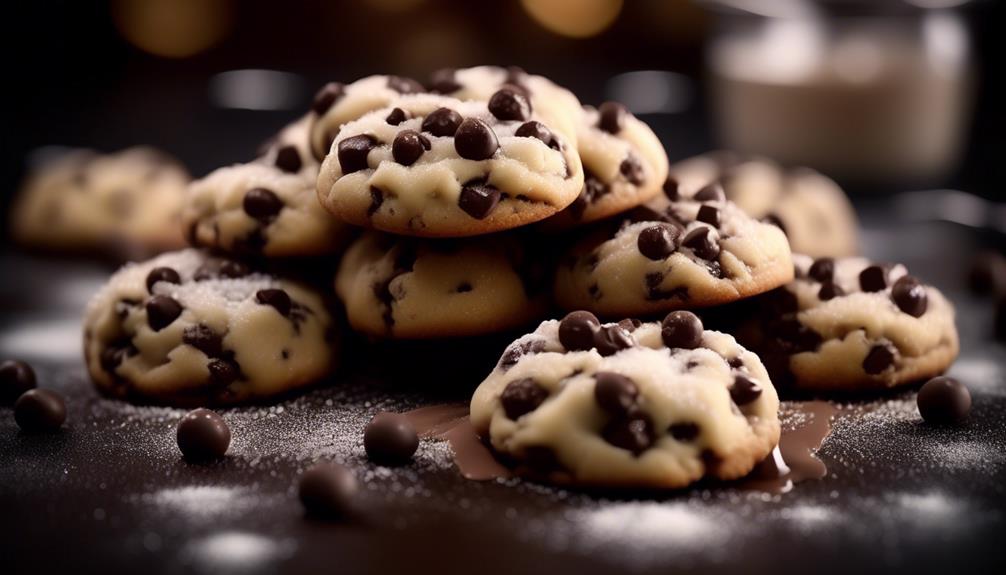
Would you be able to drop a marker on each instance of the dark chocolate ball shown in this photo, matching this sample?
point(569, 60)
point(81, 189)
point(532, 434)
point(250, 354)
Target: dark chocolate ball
point(328, 491)
point(16, 377)
point(203, 435)
point(390, 439)
point(39, 410)
point(944, 400)
point(576, 330)
point(682, 329)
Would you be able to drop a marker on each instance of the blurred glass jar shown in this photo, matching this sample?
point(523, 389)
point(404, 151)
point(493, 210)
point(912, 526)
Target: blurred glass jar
point(870, 90)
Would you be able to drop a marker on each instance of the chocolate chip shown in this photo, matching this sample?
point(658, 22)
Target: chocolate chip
point(442, 122)
point(443, 82)
point(700, 242)
point(878, 359)
point(353, 153)
point(203, 338)
point(326, 97)
point(223, 372)
point(910, 296)
point(218, 268)
point(671, 189)
point(611, 117)
point(538, 130)
point(796, 336)
point(162, 274)
point(659, 241)
point(376, 199)
point(408, 146)
point(203, 435)
point(709, 215)
point(396, 117)
point(39, 411)
point(632, 170)
point(576, 330)
point(711, 193)
point(630, 324)
point(404, 85)
point(276, 298)
point(162, 311)
point(684, 431)
point(16, 377)
point(822, 270)
point(615, 393)
point(873, 279)
point(611, 339)
point(262, 204)
point(944, 400)
point(288, 159)
point(475, 140)
point(510, 105)
point(513, 354)
point(390, 439)
point(328, 491)
point(744, 390)
point(681, 330)
point(776, 221)
point(633, 434)
point(829, 290)
point(522, 396)
point(478, 199)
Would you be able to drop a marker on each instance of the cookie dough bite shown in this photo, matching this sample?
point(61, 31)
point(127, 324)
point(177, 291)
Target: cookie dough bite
point(852, 325)
point(186, 328)
point(694, 252)
point(628, 404)
point(118, 204)
point(435, 166)
point(268, 207)
point(404, 288)
point(624, 165)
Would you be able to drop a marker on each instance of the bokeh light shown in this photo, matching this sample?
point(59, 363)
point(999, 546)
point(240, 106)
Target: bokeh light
point(574, 18)
point(172, 28)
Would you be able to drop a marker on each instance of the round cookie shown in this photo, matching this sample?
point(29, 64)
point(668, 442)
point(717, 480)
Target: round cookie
point(449, 168)
point(189, 329)
point(624, 165)
point(268, 207)
point(412, 289)
point(127, 202)
point(810, 207)
point(851, 325)
point(630, 404)
point(695, 252)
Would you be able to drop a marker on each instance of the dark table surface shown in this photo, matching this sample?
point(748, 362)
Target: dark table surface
point(111, 494)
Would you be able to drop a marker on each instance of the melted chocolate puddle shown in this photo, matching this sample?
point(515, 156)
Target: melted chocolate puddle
point(805, 426)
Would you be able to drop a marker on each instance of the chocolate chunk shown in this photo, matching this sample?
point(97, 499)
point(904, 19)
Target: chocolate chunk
point(513, 354)
point(744, 390)
point(203, 338)
point(408, 146)
point(510, 105)
point(681, 330)
point(576, 330)
point(538, 130)
point(630, 324)
point(442, 81)
point(328, 491)
point(632, 170)
point(796, 336)
point(611, 117)
point(659, 241)
point(442, 122)
point(39, 411)
point(162, 311)
point(219, 268)
point(223, 372)
point(16, 377)
point(475, 140)
point(404, 85)
point(115, 354)
point(873, 279)
point(522, 396)
point(390, 439)
point(396, 117)
point(478, 199)
point(376, 199)
point(203, 435)
point(829, 290)
point(276, 298)
point(910, 296)
point(822, 270)
point(709, 215)
point(633, 434)
point(702, 244)
point(944, 401)
point(684, 431)
point(611, 339)
point(878, 359)
point(162, 274)
point(710, 193)
point(671, 189)
point(288, 159)
point(353, 153)
point(262, 204)
point(615, 393)
point(326, 97)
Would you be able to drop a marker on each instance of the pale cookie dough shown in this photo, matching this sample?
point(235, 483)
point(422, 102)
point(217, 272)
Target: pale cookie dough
point(189, 329)
point(268, 207)
point(689, 254)
point(850, 325)
point(658, 405)
point(810, 207)
point(124, 203)
point(406, 288)
point(624, 165)
point(438, 167)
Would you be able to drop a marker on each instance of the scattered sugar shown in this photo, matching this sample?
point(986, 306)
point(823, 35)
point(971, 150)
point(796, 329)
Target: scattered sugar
point(647, 524)
point(236, 551)
point(201, 502)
